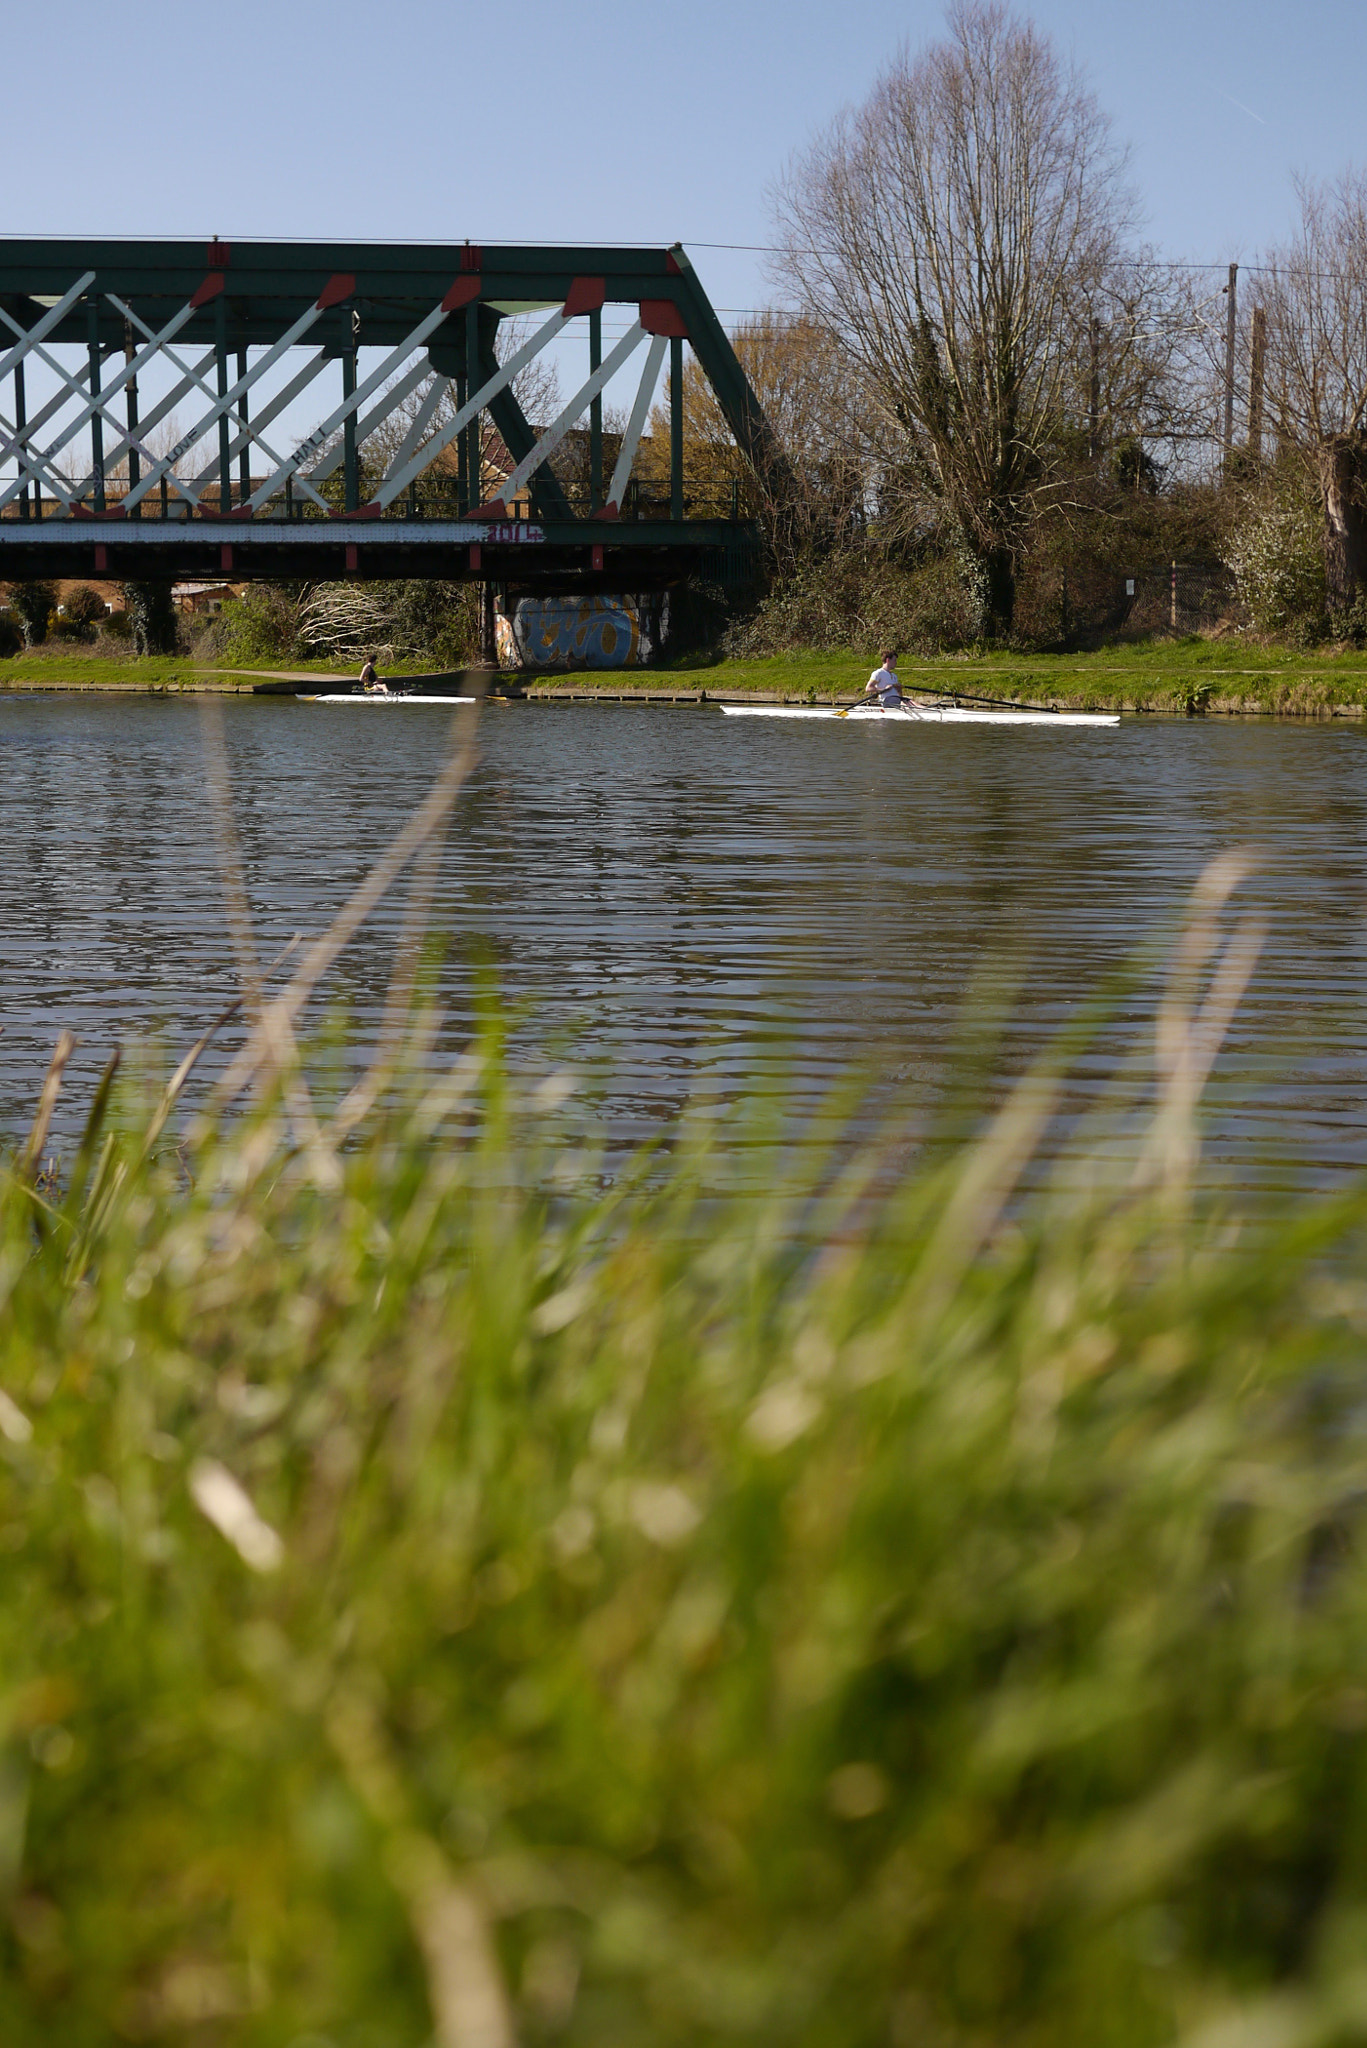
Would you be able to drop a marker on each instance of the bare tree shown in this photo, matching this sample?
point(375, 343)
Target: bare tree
point(941, 230)
point(807, 386)
point(1315, 291)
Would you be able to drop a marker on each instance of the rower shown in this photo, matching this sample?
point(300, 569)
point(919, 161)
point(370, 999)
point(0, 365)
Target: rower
point(883, 684)
point(370, 681)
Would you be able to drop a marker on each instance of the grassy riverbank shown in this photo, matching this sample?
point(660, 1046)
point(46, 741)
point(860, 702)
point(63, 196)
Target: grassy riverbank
point(1157, 676)
point(452, 1590)
point(95, 669)
point(1170, 676)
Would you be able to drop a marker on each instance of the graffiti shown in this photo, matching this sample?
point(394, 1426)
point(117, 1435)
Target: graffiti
point(573, 632)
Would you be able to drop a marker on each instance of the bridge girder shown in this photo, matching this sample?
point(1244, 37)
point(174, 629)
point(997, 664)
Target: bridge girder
point(241, 334)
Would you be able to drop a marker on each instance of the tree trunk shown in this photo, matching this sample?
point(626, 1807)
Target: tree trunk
point(999, 592)
point(1343, 493)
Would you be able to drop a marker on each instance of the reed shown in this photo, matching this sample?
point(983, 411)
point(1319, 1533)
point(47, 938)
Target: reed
point(454, 1595)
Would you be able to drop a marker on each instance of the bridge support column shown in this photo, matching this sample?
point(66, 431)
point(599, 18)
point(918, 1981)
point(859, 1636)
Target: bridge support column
point(20, 422)
point(96, 422)
point(350, 464)
point(225, 460)
point(676, 506)
point(244, 460)
point(595, 412)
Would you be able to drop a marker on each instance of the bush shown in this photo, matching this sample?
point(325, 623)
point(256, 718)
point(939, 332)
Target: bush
point(83, 611)
point(857, 599)
point(1276, 552)
point(261, 625)
point(11, 638)
point(412, 619)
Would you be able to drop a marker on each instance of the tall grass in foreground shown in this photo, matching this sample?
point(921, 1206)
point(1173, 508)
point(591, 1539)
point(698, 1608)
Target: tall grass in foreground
point(442, 1603)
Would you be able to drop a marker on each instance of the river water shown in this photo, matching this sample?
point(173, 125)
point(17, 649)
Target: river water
point(702, 902)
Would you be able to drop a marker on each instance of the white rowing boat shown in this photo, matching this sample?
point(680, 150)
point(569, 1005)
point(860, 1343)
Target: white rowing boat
point(924, 714)
point(356, 697)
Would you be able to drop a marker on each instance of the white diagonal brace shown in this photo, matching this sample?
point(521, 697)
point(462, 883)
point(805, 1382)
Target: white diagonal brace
point(353, 403)
point(273, 407)
point(367, 424)
point(40, 419)
point(36, 461)
point(152, 419)
point(223, 403)
point(631, 440)
point(422, 420)
point(33, 462)
point(559, 427)
point(53, 317)
point(399, 479)
point(35, 348)
point(98, 401)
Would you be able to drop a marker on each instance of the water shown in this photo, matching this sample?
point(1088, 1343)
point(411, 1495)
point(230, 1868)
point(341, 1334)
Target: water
point(702, 900)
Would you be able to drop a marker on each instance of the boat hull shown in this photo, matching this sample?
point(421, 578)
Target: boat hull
point(927, 714)
point(355, 697)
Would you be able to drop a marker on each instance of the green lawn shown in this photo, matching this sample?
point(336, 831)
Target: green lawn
point(1162, 676)
point(1156, 676)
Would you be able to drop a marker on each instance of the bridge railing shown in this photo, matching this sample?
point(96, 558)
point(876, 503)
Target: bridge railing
point(703, 498)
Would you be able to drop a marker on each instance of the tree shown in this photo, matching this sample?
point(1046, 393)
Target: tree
point(84, 610)
point(35, 602)
point(942, 231)
point(153, 615)
point(807, 386)
point(1315, 292)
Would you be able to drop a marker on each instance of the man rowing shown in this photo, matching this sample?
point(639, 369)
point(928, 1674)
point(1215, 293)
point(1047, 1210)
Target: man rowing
point(883, 685)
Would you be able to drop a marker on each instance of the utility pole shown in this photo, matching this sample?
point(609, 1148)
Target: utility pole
point(1231, 316)
point(1094, 393)
point(1256, 357)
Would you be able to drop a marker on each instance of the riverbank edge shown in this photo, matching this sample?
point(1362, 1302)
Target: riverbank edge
point(1288, 694)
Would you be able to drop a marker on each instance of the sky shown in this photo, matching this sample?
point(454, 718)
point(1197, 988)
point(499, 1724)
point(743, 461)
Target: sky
point(611, 120)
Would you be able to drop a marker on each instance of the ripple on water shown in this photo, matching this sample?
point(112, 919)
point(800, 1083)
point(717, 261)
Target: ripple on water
point(702, 901)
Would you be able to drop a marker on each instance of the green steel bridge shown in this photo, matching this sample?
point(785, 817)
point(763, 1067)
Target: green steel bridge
point(108, 346)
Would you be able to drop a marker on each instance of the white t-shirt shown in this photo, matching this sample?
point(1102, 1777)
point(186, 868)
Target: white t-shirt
point(885, 682)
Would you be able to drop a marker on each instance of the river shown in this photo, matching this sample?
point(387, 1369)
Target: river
point(702, 902)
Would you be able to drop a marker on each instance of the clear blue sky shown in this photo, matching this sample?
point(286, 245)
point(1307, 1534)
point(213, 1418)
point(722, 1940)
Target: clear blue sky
point(613, 120)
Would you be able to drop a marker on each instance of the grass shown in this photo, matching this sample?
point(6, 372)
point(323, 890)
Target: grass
point(1159, 676)
point(99, 667)
point(1162, 676)
point(456, 1594)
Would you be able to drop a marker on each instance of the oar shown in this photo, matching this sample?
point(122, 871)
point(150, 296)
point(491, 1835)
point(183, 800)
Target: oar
point(910, 709)
point(998, 703)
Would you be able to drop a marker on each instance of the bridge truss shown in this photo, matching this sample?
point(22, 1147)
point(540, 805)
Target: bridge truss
point(107, 348)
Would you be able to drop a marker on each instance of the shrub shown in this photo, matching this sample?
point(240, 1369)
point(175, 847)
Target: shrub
point(856, 598)
point(83, 611)
point(1276, 552)
point(410, 619)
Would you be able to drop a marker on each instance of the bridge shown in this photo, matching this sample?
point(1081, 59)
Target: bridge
point(106, 347)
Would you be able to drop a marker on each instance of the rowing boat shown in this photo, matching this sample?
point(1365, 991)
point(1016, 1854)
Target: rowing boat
point(355, 697)
point(925, 714)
